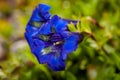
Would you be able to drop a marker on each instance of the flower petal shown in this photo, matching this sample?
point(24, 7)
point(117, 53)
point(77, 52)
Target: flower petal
point(29, 39)
point(56, 63)
point(71, 43)
point(35, 44)
point(49, 52)
point(52, 56)
point(36, 17)
point(58, 23)
point(37, 47)
point(40, 13)
point(65, 34)
point(44, 8)
point(45, 29)
point(31, 28)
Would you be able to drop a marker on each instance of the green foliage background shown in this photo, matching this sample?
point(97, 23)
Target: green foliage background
point(97, 58)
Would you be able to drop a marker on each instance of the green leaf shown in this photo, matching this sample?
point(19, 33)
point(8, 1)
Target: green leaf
point(85, 26)
point(71, 27)
point(70, 76)
point(78, 26)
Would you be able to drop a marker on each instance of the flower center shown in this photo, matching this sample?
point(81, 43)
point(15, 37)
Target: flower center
point(56, 38)
point(54, 49)
point(46, 50)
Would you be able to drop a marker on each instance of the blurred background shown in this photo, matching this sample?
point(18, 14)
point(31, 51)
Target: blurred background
point(97, 58)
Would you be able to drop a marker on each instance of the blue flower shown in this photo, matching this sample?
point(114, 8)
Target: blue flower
point(49, 38)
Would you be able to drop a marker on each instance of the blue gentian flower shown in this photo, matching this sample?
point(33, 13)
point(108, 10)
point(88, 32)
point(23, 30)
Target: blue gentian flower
point(49, 38)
